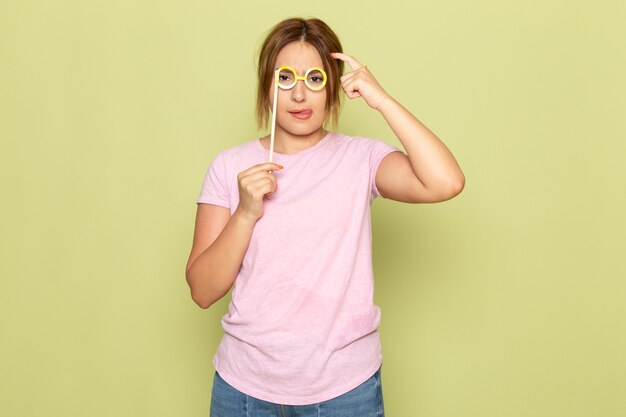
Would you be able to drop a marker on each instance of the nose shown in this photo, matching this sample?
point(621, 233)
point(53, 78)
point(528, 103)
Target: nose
point(298, 92)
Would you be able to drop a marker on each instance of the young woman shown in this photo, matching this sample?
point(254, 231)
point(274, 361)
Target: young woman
point(294, 235)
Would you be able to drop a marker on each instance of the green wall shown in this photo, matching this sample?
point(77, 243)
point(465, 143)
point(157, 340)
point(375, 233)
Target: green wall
point(508, 300)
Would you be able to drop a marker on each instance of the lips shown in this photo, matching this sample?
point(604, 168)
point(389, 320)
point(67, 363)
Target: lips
point(302, 114)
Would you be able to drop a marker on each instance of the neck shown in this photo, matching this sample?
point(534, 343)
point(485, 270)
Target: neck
point(288, 143)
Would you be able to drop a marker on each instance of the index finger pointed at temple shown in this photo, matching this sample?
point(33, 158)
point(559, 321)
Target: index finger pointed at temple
point(352, 63)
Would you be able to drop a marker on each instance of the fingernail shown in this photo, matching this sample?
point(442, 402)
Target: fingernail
point(280, 166)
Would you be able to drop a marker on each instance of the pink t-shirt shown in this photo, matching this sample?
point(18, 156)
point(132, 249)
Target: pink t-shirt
point(302, 326)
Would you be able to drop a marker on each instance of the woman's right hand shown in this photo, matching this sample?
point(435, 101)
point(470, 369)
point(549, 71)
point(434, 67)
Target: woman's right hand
point(256, 183)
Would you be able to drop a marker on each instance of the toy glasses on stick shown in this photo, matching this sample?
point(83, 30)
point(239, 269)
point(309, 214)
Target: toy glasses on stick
point(286, 78)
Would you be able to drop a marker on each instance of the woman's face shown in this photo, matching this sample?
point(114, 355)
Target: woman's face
point(300, 56)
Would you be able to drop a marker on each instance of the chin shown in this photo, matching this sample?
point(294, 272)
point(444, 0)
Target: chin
point(303, 129)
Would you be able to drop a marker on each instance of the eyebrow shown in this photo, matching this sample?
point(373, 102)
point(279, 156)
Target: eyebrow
point(314, 66)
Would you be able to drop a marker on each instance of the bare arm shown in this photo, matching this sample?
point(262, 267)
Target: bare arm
point(220, 243)
point(220, 240)
point(429, 172)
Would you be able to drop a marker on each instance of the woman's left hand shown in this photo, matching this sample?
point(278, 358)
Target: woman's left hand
point(360, 82)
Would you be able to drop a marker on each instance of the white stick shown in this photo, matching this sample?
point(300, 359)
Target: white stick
point(273, 117)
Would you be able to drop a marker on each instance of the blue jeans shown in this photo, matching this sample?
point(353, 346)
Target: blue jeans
point(366, 400)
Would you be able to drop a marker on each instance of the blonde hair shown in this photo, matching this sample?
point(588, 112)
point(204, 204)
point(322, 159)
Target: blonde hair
point(323, 39)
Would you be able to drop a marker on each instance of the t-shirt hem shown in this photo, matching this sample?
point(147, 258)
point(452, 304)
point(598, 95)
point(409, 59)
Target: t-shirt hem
point(376, 165)
point(311, 399)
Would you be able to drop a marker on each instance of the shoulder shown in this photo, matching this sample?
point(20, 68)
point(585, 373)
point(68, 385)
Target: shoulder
point(226, 163)
point(342, 139)
point(361, 143)
point(358, 139)
point(238, 151)
point(229, 159)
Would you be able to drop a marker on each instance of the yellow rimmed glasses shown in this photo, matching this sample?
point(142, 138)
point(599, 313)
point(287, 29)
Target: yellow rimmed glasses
point(287, 77)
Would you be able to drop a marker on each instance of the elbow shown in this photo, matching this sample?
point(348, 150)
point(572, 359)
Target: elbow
point(453, 190)
point(202, 301)
point(448, 192)
point(455, 186)
point(202, 298)
point(199, 297)
point(458, 186)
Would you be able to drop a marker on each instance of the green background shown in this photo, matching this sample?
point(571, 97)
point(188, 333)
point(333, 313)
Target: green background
point(508, 300)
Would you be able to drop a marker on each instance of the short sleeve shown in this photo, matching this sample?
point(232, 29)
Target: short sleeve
point(379, 150)
point(215, 188)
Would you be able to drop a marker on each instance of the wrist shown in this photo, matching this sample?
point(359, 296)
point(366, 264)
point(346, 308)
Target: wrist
point(243, 218)
point(385, 103)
